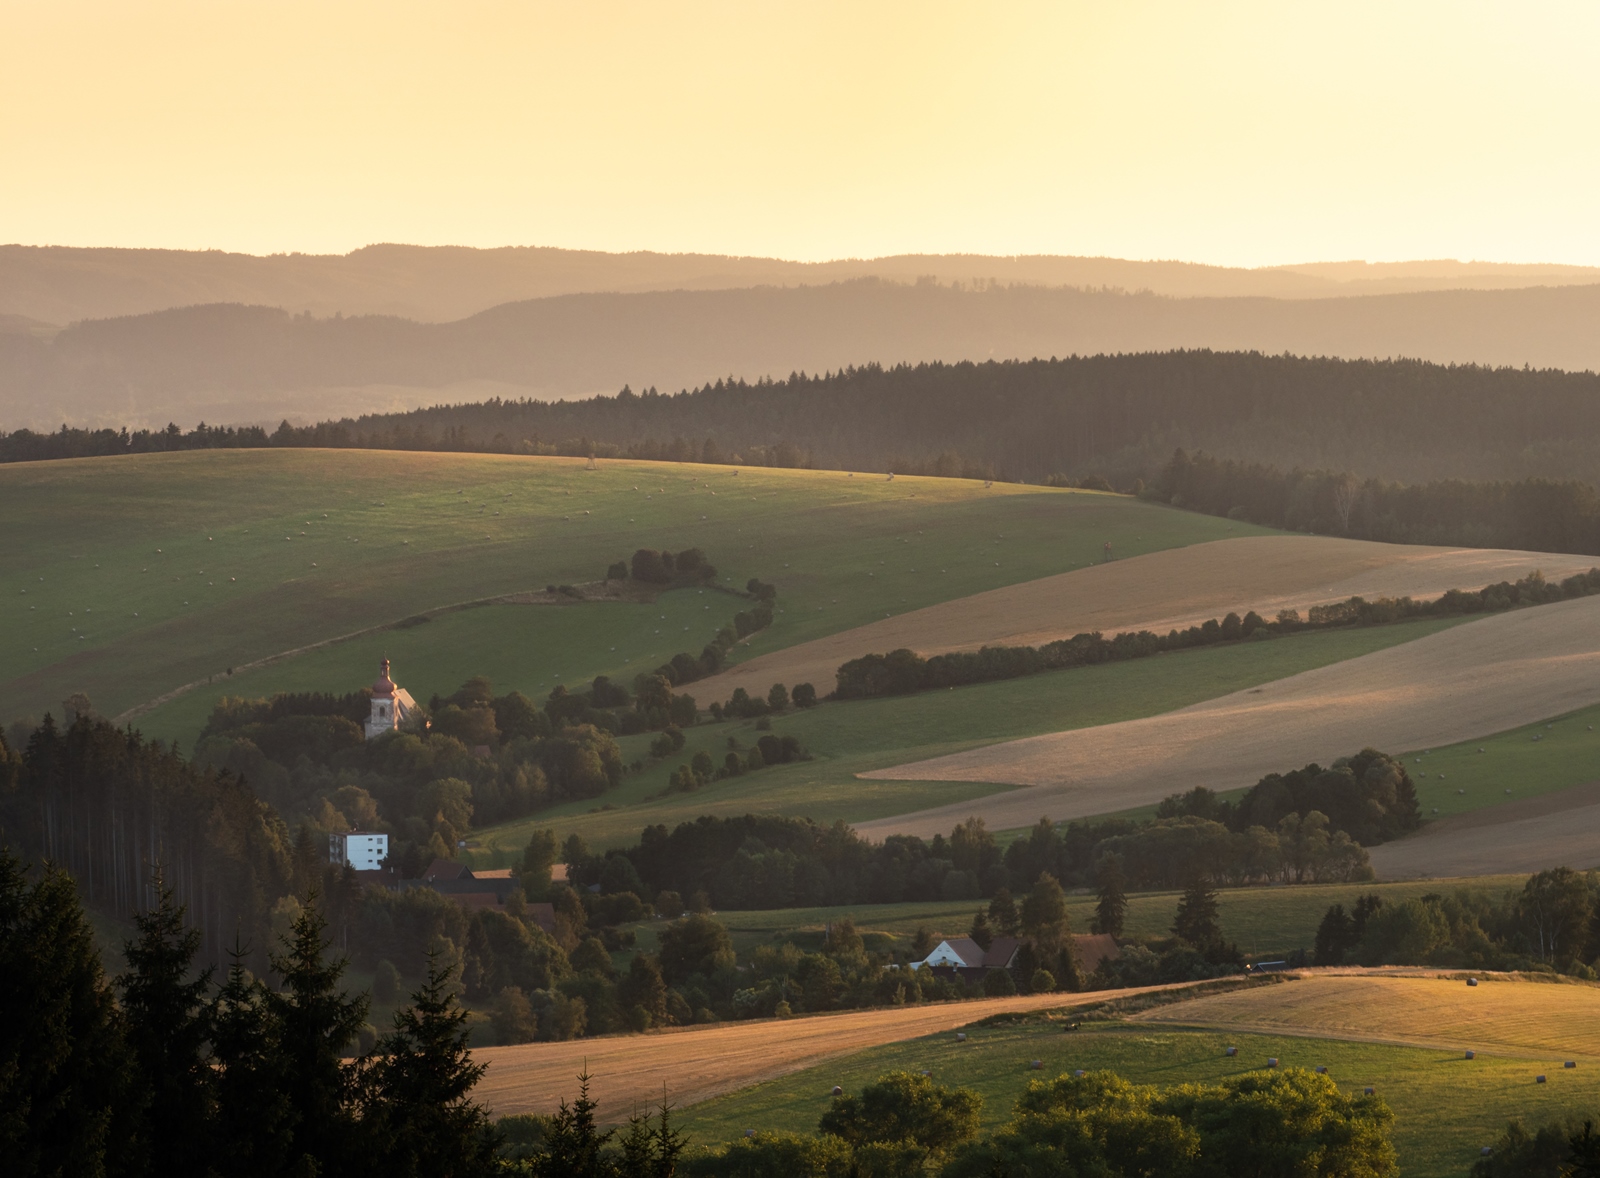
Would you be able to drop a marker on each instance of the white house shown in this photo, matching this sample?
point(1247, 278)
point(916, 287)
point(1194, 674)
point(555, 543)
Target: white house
point(392, 706)
point(362, 849)
point(961, 953)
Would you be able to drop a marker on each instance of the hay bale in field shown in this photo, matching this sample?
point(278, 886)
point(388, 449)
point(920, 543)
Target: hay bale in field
point(838, 1091)
point(1272, 1062)
point(1538, 1079)
point(1370, 1091)
point(1232, 1051)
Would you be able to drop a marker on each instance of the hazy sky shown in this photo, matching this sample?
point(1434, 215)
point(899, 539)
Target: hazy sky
point(1235, 133)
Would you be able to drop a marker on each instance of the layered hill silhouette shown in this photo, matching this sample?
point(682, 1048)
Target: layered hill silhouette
point(57, 285)
point(229, 362)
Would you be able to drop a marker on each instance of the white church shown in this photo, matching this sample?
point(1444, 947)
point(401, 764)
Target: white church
point(392, 706)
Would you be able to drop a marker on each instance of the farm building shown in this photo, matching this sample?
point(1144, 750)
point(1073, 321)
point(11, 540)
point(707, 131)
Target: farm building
point(969, 960)
point(480, 890)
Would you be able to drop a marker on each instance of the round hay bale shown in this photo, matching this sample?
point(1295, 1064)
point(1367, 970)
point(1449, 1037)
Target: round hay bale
point(1322, 1070)
point(1232, 1051)
point(1571, 1063)
point(1036, 1065)
point(1472, 1055)
point(1370, 1091)
point(1272, 1062)
point(1538, 1079)
point(838, 1091)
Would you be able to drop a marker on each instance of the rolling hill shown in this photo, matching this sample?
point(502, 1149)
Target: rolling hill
point(233, 362)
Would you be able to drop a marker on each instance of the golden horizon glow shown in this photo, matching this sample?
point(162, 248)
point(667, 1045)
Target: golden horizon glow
point(1239, 134)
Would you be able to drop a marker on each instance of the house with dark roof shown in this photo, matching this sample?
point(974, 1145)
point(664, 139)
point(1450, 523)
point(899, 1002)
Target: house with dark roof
point(480, 891)
point(968, 959)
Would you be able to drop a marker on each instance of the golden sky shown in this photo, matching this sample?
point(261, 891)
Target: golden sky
point(1237, 133)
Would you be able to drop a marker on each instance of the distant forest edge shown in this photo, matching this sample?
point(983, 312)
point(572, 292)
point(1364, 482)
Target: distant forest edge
point(1105, 422)
point(1117, 417)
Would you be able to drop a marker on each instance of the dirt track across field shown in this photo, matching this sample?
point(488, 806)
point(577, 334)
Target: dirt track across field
point(629, 1072)
point(1485, 676)
point(1502, 1015)
point(1531, 834)
point(1177, 588)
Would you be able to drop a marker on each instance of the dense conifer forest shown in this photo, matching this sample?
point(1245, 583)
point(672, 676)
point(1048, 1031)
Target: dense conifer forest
point(1117, 417)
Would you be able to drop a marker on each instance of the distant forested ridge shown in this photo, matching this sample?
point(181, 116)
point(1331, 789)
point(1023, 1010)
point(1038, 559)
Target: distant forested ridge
point(1540, 514)
point(1116, 417)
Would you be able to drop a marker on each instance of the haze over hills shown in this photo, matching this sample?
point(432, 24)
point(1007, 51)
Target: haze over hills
point(225, 363)
point(60, 285)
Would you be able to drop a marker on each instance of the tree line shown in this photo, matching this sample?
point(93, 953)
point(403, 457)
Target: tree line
point(1542, 514)
point(1115, 417)
point(1073, 1126)
point(1552, 924)
point(904, 672)
point(173, 1070)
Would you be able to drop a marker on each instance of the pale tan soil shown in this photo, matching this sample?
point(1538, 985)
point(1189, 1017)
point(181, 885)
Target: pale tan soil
point(1484, 676)
point(1532, 834)
point(1177, 588)
point(1502, 1015)
point(697, 1063)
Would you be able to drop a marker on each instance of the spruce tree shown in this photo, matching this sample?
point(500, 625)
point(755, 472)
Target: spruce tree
point(980, 932)
point(168, 1027)
point(419, 1113)
point(314, 1021)
point(255, 1117)
point(573, 1142)
point(1003, 913)
point(1196, 921)
point(68, 1092)
point(1113, 903)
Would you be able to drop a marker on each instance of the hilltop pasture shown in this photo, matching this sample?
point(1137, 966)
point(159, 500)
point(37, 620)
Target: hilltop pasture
point(1446, 1107)
point(130, 577)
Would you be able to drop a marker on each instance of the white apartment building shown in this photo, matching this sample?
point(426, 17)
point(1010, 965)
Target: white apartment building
point(361, 849)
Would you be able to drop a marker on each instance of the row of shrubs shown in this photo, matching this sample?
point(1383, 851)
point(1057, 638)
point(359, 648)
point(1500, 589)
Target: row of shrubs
point(903, 672)
point(1267, 1122)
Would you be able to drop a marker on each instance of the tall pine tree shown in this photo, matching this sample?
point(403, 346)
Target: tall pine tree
point(67, 1087)
point(1112, 907)
point(168, 1027)
point(315, 1021)
point(418, 1109)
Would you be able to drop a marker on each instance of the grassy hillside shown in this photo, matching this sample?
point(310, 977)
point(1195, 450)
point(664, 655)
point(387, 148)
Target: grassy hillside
point(849, 738)
point(1510, 766)
point(130, 577)
point(1445, 1107)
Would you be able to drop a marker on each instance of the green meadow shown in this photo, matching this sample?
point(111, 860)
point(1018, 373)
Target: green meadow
point(1446, 1107)
point(1508, 766)
point(130, 577)
point(845, 739)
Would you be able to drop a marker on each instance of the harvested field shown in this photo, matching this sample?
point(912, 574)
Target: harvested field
point(1503, 1015)
point(694, 1064)
point(1486, 676)
point(1159, 591)
point(1530, 834)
